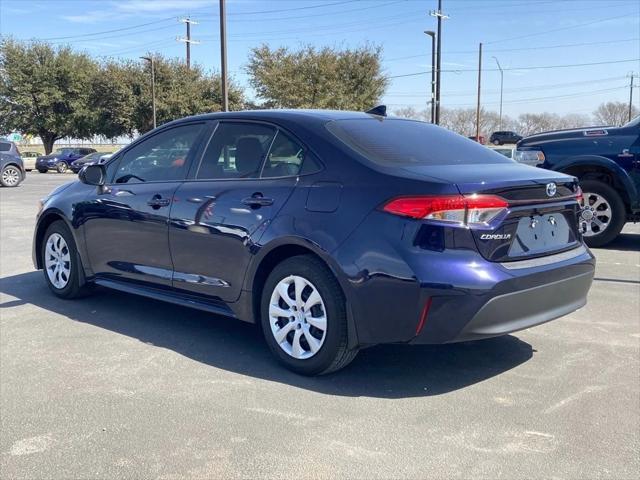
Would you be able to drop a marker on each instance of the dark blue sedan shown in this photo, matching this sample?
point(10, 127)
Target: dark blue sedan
point(61, 159)
point(332, 230)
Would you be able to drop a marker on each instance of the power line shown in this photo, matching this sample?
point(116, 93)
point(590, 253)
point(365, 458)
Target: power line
point(569, 27)
point(84, 35)
point(543, 47)
point(539, 67)
point(508, 90)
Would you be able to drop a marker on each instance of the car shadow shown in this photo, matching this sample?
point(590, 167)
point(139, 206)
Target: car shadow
point(385, 371)
point(629, 242)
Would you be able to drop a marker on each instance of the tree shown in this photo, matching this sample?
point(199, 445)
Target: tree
point(180, 92)
point(614, 113)
point(317, 78)
point(45, 91)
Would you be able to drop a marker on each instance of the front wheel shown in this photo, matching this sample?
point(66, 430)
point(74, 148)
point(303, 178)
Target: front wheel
point(603, 214)
point(11, 176)
point(62, 167)
point(303, 317)
point(61, 262)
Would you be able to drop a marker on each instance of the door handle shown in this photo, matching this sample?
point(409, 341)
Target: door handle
point(157, 202)
point(257, 200)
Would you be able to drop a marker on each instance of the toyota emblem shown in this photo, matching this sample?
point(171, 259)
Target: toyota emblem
point(551, 189)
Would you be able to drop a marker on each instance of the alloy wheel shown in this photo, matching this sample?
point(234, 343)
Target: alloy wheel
point(11, 176)
point(58, 261)
point(61, 167)
point(297, 316)
point(595, 216)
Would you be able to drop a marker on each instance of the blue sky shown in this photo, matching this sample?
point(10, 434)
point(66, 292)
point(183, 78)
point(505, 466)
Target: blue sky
point(521, 34)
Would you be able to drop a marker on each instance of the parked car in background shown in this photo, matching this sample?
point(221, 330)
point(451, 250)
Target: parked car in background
point(61, 159)
point(606, 160)
point(95, 157)
point(332, 230)
point(504, 136)
point(29, 160)
point(11, 166)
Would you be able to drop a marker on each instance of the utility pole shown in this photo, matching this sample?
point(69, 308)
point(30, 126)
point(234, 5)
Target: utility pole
point(439, 15)
point(153, 86)
point(187, 40)
point(479, 80)
point(501, 84)
point(223, 56)
point(632, 75)
point(432, 34)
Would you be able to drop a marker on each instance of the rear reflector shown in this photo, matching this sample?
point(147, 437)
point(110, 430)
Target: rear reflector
point(423, 316)
point(474, 210)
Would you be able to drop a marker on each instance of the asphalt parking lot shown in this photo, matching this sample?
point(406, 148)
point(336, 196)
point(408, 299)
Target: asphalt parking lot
point(120, 386)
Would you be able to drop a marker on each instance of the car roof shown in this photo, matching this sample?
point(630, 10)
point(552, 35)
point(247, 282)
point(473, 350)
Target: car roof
point(311, 116)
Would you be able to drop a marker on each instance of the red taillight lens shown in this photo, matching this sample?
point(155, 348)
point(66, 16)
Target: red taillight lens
point(473, 210)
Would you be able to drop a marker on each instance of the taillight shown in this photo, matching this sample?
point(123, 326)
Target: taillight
point(579, 196)
point(473, 211)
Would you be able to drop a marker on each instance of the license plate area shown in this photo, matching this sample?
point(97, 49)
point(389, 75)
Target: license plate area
point(537, 234)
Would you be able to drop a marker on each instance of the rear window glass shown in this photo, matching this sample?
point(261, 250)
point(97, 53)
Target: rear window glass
point(395, 143)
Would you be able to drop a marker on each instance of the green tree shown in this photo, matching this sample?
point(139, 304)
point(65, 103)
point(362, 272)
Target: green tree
point(45, 91)
point(180, 92)
point(317, 78)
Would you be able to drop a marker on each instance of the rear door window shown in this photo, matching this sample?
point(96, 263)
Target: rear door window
point(236, 150)
point(395, 142)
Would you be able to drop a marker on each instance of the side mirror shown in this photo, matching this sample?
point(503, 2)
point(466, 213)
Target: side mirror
point(93, 175)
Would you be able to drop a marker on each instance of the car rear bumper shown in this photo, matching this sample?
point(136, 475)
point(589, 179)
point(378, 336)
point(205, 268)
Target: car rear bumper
point(537, 291)
point(511, 312)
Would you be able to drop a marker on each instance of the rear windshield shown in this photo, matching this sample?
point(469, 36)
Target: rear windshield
point(395, 142)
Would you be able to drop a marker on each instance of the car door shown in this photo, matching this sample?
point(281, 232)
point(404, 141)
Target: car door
point(126, 222)
point(245, 176)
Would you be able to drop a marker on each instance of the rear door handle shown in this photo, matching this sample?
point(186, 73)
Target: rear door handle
point(257, 200)
point(157, 202)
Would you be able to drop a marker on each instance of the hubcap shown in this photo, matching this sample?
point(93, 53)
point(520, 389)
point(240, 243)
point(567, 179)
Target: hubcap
point(595, 216)
point(298, 317)
point(10, 176)
point(57, 261)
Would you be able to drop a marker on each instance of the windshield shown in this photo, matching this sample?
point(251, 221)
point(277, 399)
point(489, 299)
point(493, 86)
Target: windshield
point(64, 150)
point(399, 143)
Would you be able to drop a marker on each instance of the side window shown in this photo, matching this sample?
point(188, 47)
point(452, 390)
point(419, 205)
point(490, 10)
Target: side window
point(285, 157)
point(5, 147)
point(162, 157)
point(236, 150)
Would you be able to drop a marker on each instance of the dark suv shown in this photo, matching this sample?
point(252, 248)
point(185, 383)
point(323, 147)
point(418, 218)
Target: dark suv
point(502, 137)
point(606, 160)
point(11, 166)
point(61, 159)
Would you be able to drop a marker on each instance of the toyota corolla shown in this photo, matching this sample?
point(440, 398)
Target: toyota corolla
point(333, 231)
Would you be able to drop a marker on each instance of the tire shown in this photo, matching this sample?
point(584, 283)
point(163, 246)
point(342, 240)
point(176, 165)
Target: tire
point(62, 167)
point(496, 142)
point(595, 211)
point(42, 170)
point(75, 285)
point(11, 176)
point(332, 344)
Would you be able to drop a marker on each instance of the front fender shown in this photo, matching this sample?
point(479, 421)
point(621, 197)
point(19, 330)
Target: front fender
point(616, 170)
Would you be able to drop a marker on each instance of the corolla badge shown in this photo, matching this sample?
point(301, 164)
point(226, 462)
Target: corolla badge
point(551, 189)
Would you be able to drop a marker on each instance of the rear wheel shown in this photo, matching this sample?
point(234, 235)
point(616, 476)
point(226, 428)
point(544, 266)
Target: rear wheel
point(62, 167)
point(61, 262)
point(603, 214)
point(303, 316)
point(496, 142)
point(11, 176)
point(42, 170)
